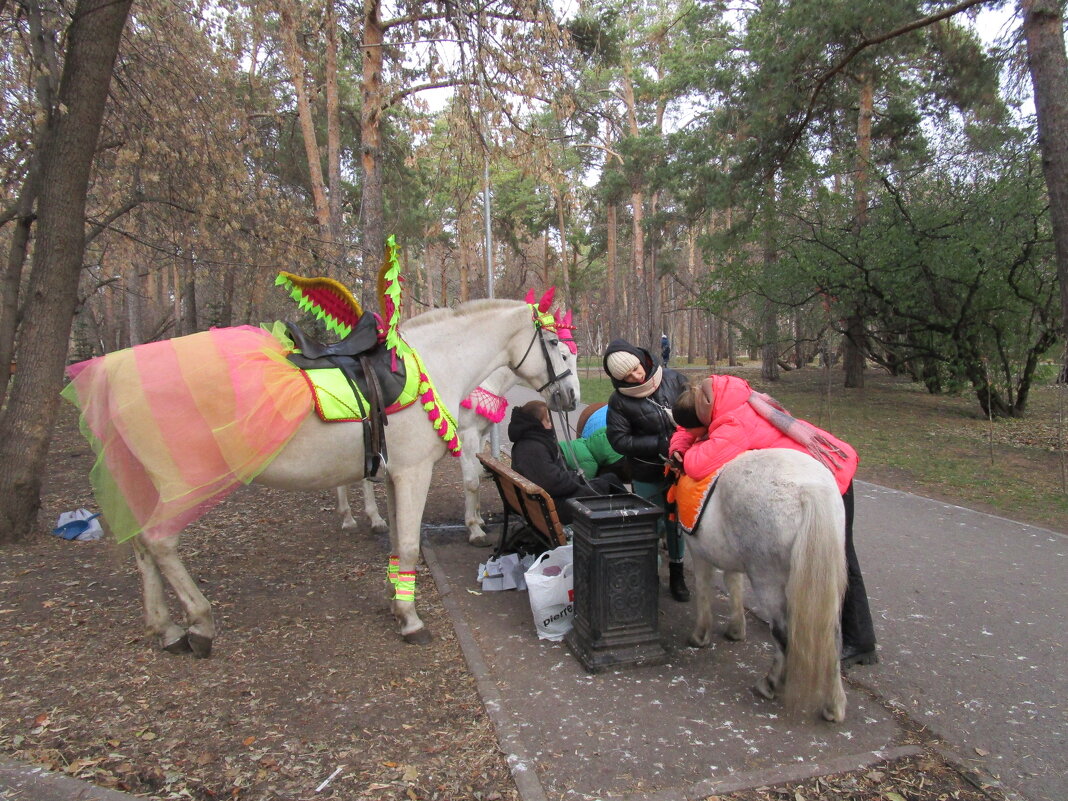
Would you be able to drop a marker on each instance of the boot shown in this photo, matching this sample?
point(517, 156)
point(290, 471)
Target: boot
point(677, 582)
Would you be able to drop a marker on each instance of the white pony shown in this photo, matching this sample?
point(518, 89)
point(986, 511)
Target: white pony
point(458, 347)
point(475, 431)
point(777, 516)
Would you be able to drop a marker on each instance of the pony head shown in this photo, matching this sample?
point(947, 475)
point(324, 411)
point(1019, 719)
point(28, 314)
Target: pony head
point(564, 350)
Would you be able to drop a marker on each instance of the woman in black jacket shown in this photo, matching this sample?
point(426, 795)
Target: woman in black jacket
point(640, 427)
point(536, 455)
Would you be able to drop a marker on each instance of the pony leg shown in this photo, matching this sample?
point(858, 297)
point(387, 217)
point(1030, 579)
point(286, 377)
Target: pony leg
point(703, 572)
point(370, 508)
point(736, 589)
point(770, 684)
point(344, 511)
point(408, 497)
point(201, 626)
point(157, 618)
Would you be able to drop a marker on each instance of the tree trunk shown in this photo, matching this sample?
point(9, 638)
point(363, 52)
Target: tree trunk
point(611, 272)
point(1048, 64)
point(52, 292)
point(333, 144)
point(295, 63)
point(561, 224)
point(371, 201)
point(855, 349)
point(769, 318)
point(12, 277)
point(855, 338)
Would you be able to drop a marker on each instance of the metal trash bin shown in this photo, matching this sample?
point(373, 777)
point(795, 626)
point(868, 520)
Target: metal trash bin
point(616, 583)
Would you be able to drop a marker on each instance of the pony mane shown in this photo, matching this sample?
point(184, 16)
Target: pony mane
point(463, 310)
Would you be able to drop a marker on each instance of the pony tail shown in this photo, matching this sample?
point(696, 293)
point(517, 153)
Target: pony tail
point(814, 600)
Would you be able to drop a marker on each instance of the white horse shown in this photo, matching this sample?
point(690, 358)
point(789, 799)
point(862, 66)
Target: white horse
point(777, 517)
point(459, 347)
point(475, 431)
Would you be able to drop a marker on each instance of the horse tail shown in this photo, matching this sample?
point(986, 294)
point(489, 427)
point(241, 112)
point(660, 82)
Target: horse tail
point(813, 600)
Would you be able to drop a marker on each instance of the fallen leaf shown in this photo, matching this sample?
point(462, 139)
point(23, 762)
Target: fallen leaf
point(248, 741)
point(892, 796)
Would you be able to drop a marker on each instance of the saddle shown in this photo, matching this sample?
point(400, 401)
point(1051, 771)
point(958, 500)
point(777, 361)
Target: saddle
point(368, 368)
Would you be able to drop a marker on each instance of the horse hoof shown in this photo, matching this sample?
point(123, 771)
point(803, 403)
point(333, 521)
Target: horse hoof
point(764, 690)
point(419, 636)
point(479, 540)
point(832, 715)
point(177, 646)
point(699, 641)
point(734, 634)
point(380, 531)
point(200, 645)
point(350, 528)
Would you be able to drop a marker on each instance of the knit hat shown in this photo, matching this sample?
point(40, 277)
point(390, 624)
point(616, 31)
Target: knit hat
point(620, 363)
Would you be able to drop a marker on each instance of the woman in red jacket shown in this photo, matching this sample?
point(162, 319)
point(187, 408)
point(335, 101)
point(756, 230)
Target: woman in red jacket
point(722, 418)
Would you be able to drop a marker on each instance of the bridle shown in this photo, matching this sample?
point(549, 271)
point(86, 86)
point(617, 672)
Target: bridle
point(554, 378)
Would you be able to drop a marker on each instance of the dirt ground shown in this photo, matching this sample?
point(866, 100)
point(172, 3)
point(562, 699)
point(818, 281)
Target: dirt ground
point(309, 681)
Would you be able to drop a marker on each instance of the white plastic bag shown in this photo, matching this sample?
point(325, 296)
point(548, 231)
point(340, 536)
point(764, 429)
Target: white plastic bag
point(81, 524)
point(551, 586)
point(504, 572)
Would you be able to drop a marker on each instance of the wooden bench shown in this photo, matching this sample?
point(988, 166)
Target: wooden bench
point(523, 497)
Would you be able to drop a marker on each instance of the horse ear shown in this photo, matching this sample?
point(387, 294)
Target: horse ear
point(546, 300)
point(530, 296)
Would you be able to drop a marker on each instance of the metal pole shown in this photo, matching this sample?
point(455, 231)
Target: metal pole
point(495, 434)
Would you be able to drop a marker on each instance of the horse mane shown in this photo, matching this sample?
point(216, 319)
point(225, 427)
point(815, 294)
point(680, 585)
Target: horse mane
point(463, 310)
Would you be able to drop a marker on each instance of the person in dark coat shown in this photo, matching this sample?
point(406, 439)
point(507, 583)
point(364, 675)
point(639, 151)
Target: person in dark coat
point(536, 455)
point(640, 426)
point(665, 349)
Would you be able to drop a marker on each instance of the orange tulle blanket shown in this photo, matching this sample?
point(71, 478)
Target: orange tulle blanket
point(180, 424)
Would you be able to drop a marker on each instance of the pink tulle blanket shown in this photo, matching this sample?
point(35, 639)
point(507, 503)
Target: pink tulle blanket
point(180, 424)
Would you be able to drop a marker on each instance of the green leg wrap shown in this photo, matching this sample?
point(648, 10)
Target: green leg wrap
point(405, 586)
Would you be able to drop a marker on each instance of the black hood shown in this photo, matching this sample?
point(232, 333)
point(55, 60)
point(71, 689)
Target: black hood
point(524, 425)
point(649, 362)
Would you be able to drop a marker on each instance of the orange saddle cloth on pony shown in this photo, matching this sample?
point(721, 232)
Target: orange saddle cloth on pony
point(689, 496)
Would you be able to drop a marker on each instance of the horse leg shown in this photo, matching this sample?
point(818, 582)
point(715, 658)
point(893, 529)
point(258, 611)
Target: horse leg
point(407, 499)
point(736, 589)
point(472, 473)
point(703, 572)
point(370, 508)
point(770, 592)
point(344, 511)
point(200, 631)
point(157, 618)
point(770, 685)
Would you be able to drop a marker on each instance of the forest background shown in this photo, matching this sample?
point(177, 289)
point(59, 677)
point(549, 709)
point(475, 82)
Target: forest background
point(860, 183)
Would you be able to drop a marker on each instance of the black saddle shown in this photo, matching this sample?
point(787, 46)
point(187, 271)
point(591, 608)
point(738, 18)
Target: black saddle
point(367, 365)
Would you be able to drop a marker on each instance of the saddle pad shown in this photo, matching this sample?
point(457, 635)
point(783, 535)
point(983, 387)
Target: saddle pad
point(690, 496)
point(334, 400)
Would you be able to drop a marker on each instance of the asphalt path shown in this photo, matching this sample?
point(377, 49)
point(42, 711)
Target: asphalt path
point(970, 612)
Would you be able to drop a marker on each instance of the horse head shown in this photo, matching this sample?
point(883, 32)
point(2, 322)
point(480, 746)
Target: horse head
point(558, 363)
